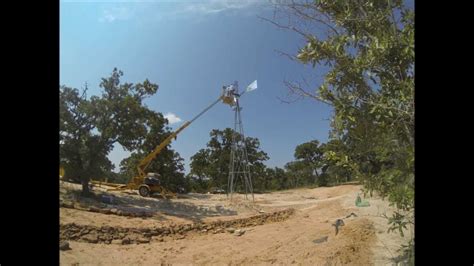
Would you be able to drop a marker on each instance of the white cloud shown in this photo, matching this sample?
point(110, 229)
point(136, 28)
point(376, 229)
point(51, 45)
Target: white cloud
point(217, 6)
point(147, 9)
point(115, 13)
point(172, 118)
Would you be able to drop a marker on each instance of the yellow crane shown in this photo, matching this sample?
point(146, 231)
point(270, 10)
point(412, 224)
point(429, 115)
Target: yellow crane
point(147, 183)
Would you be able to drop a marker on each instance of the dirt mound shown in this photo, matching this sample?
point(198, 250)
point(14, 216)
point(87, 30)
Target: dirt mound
point(208, 229)
point(358, 236)
point(107, 234)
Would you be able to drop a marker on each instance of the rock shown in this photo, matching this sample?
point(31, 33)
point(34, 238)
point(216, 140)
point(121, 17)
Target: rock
point(143, 240)
point(125, 241)
point(219, 230)
point(114, 211)
point(67, 204)
point(230, 230)
point(155, 233)
point(64, 245)
point(91, 238)
point(108, 199)
point(204, 230)
point(180, 237)
point(320, 240)
point(137, 231)
point(261, 211)
point(94, 209)
point(104, 211)
point(117, 241)
point(239, 232)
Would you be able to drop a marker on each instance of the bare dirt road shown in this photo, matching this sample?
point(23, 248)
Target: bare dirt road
point(304, 235)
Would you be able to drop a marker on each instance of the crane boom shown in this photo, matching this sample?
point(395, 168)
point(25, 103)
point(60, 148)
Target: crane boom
point(151, 156)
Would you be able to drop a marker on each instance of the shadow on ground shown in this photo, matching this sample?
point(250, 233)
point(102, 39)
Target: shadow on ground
point(154, 206)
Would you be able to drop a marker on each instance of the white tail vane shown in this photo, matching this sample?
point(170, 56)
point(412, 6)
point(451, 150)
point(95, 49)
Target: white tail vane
point(252, 86)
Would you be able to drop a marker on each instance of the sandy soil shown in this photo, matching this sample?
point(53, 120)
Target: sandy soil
point(306, 238)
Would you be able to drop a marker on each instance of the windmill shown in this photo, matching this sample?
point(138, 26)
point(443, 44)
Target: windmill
point(239, 169)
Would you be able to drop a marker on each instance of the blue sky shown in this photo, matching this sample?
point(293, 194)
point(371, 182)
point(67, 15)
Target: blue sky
point(191, 49)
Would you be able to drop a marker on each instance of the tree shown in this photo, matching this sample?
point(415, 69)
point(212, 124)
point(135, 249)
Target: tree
point(213, 162)
point(366, 50)
point(89, 128)
point(336, 165)
point(275, 179)
point(82, 153)
point(281, 178)
point(200, 165)
point(311, 153)
point(299, 173)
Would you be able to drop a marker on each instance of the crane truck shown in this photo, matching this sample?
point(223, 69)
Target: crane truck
point(148, 183)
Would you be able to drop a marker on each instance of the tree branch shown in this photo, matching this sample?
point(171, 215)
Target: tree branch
point(307, 36)
point(291, 57)
point(297, 89)
point(294, 6)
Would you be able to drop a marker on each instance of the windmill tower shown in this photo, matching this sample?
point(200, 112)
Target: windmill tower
point(239, 169)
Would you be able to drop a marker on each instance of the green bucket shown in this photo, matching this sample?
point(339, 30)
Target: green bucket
point(361, 203)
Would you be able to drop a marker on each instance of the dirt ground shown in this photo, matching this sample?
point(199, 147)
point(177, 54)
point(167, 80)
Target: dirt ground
point(306, 237)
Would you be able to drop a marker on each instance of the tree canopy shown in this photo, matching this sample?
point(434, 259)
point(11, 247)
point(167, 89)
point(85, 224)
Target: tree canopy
point(365, 49)
point(91, 126)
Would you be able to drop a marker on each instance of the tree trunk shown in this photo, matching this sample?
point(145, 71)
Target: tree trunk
point(316, 176)
point(85, 186)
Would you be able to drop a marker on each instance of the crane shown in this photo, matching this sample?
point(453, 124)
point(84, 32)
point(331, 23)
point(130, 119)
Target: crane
point(147, 183)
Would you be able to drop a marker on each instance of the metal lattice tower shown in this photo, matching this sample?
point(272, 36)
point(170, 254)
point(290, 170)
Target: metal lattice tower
point(239, 169)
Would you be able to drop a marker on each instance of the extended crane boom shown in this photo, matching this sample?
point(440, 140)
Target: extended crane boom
point(149, 158)
point(137, 182)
